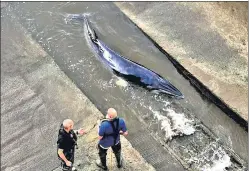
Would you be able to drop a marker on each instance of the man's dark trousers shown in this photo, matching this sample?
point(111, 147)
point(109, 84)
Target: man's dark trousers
point(116, 150)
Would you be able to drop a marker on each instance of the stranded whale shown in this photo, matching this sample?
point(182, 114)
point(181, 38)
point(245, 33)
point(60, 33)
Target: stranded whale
point(126, 68)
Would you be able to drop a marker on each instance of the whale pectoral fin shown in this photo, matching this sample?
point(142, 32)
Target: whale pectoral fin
point(149, 87)
point(117, 73)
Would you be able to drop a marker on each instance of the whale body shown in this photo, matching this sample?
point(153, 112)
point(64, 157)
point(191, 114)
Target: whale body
point(126, 68)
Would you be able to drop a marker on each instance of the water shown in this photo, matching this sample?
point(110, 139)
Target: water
point(181, 125)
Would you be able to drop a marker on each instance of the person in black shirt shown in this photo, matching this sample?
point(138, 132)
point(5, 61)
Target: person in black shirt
point(67, 140)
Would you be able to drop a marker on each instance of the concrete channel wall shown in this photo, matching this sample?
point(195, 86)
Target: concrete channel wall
point(209, 39)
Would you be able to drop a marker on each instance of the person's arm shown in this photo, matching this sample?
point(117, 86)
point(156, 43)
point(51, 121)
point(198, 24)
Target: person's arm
point(61, 146)
point(123, 133)
point(79, 131)
point(101, 131)
point(123, 130)
point(63, 157)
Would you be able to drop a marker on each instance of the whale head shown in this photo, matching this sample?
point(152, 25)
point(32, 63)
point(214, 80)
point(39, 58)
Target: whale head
point(167, 88)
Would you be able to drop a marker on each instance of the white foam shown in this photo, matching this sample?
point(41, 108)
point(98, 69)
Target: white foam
point(212, 158)
point(165, 125)
point(180, 124)
point(174, 123)
point(219, 165)
point(121, 82)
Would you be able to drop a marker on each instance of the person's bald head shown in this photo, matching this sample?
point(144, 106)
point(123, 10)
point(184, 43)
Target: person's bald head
point(112, 113)
point(68, 124)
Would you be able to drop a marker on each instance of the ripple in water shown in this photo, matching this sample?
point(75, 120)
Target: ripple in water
point(213, 158)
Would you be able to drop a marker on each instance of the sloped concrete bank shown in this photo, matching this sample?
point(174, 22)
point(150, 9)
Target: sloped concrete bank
point(35, 98)
point(177, 30)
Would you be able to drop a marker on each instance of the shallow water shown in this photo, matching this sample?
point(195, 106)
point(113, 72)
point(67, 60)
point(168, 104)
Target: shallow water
point(178, 123)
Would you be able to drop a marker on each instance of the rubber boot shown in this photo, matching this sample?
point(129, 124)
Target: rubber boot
point(119, 159)
point(69, 169)
point(102, 163)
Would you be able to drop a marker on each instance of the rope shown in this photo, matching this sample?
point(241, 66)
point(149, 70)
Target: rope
point(111, 162)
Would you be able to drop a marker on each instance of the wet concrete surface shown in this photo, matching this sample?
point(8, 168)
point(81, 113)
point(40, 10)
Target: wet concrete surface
point(64, 41)
point(29, 115)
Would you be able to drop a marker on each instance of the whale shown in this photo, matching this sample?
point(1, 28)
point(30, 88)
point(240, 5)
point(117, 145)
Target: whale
point(123, 67)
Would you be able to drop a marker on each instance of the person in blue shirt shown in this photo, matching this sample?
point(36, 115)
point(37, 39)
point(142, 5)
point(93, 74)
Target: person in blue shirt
point(109, 136)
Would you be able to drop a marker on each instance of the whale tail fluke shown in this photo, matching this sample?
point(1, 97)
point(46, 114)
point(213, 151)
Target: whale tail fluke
point(90, 30)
